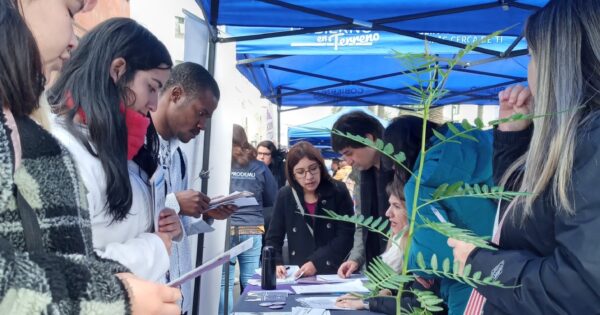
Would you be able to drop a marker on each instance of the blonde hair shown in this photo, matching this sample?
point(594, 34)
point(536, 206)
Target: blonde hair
point(568, 80)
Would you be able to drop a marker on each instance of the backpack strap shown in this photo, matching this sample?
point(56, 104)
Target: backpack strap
point(31, 226)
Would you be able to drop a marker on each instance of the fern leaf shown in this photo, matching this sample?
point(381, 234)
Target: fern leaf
point(438, 135)
point(466, 125)
point(479, 123)
point(388, 149)
point(449, 230)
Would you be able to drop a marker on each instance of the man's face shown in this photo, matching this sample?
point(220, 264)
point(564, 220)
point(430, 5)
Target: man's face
point(362, 158)
point(187, 117)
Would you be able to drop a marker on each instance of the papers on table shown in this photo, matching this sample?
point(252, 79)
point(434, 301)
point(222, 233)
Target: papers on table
point(289, 279)
point(213, 263)
point(259, 313)
point(337, 279)
point(234, 199)
point(344, 287)
point(308, 311)
point(320, 302)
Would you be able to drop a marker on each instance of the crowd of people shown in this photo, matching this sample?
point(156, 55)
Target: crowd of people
point(81, 158)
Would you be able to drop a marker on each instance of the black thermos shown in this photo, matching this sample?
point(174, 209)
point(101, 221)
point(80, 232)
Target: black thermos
point(268, 280)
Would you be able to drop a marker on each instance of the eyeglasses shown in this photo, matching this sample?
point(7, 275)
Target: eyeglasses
point(263, 153)
point(313, 170)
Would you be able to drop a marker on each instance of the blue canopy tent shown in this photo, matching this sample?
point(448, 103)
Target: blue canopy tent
point(267, 19)
point(358, 68)
point(402, 17)
point(316, 132)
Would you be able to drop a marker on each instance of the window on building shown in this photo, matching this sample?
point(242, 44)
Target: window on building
point(179, 27)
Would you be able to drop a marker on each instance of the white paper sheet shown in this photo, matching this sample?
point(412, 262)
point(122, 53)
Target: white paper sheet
point(232, 199)
point(158, 191)
point(320, 302)
point(337, 279)
point(344, 287)
point(309, 311)
point(289, 279)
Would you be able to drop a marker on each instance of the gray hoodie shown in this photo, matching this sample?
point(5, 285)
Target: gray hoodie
point(255, 178)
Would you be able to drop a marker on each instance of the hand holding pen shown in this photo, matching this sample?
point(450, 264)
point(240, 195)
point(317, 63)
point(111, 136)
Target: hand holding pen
point(307, 270)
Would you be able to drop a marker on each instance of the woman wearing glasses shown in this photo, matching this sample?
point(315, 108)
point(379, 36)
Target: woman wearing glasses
point(316, 245)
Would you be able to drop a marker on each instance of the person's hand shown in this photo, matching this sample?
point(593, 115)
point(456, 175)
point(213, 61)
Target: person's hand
point(166, 238)
point(281, 272)
point(148, 298)
point(192, 203)
point(347, 268)
point(350, 301)
point(222, 212)
point(515, 100)
point(307, 270)
point(168, 222)
point(461, 251)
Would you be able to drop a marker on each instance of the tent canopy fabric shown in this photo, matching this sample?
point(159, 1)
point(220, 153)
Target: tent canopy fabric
point(317, 132)
point(454, 16)
point(340, 52)
point(313, 70)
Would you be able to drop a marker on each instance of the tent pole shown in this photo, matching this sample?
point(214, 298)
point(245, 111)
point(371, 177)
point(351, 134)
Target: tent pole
point(279, 117)
point(212, 49)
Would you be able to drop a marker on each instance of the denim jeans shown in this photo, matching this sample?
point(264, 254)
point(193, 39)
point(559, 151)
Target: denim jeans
point(248, 260)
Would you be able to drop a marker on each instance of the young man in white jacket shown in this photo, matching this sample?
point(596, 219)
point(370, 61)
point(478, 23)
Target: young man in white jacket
point(187, 100)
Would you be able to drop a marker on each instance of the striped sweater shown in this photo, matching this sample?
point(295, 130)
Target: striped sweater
point(68, 278)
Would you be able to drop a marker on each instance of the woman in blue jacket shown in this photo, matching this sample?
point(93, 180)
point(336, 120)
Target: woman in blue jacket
point(446, 163)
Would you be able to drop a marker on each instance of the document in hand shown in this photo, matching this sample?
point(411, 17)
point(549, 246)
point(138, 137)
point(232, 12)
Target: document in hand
point(237, 198)
point(158, 193)
point(213, 263)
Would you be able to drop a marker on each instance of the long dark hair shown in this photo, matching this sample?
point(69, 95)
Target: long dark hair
point(86, 79)
point(297, 152)
point(405, 134)
point(241, 140)
point(21, 78)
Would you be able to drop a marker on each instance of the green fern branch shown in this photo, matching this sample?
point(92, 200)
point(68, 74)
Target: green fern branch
point(378, 225)
point(460, 189)
point(452, 231)
point(474, 280)
point(382, 276)
point(380, 146)
point(429, 301)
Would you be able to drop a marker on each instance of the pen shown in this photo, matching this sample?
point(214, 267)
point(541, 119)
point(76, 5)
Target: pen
point(299, 276)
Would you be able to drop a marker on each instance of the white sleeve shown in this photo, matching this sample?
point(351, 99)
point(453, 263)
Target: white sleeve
point(146, 256)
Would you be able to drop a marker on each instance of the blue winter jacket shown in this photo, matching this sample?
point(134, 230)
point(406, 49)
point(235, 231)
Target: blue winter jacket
point(469, 162)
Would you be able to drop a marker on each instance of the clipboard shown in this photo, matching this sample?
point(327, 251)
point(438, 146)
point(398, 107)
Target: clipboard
point(213, 263)
point(158, 190)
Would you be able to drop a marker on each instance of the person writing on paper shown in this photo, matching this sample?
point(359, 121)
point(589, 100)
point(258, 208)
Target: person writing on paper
point(316, 245)
point(34, 163)
point(247, 174)
point(186, 102)
point(548, 238)
point(104, 125)
point(393, 257)
point(374, 177)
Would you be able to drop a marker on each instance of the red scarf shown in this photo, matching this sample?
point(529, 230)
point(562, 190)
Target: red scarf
point(137, 125)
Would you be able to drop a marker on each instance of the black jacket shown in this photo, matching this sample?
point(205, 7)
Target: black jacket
point(374, 202)
point(553, 258)
point(332, 240)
